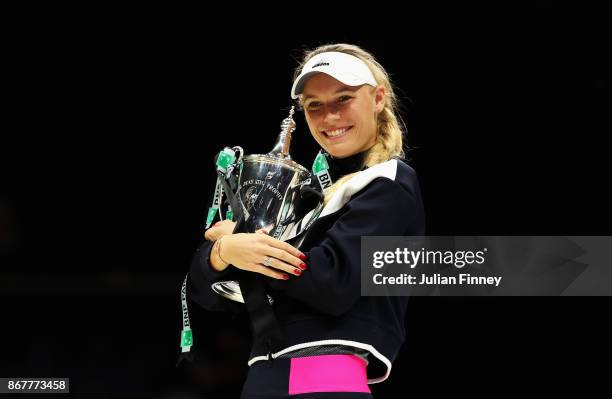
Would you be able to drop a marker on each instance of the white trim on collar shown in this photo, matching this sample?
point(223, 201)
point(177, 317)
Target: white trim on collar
point(357, 182)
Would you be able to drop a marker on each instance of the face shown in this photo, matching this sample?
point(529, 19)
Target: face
point(342, 119)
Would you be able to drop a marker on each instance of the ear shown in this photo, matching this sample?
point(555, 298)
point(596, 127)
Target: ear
point(379, 99)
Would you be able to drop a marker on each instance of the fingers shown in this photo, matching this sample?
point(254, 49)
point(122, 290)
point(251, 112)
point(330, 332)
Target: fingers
point(287, 258)
point(280, 265)
point(266, 271)
point(273, 242)
point(225, 222)
point(284, 256)
point(219, 229)
point(209, 235)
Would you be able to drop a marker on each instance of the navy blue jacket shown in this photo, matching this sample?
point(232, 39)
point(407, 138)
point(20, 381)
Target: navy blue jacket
point(323, 306)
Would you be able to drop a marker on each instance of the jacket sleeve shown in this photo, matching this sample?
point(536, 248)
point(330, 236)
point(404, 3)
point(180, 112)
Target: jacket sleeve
point(202, 276)
point(332, 283)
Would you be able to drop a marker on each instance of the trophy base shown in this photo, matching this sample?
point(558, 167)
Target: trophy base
point(231, 290)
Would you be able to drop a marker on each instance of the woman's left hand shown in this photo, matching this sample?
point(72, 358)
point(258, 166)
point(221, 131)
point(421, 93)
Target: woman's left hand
point(219, 230)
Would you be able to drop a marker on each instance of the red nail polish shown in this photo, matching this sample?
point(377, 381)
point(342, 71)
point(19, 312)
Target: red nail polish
point(303, 266)
point(303, 257)
point(297, 272)
point(285, 277)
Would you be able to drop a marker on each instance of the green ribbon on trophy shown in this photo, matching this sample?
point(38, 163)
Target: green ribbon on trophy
point(226, 163)
point(186, 333)
point(320, 168)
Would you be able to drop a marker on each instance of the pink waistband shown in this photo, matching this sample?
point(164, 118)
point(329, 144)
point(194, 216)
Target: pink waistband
point(328, 373)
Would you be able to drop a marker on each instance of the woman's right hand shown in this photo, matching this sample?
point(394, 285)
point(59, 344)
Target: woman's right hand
point(248, 251)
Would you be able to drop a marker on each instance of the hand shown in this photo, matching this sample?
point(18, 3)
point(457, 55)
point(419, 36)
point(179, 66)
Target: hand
point(219, 230)
point(248, 251)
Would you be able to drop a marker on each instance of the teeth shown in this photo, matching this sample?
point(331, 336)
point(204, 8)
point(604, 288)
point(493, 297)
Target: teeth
point(337, 132)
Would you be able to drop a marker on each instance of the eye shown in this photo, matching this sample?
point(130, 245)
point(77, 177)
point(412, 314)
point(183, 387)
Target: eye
point(343, 99)
point(313, 105)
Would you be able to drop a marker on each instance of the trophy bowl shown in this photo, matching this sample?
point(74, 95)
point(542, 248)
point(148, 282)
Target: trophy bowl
point(268, 190)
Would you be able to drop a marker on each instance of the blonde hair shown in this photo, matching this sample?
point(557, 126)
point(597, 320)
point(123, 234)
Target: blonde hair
point(389, 134)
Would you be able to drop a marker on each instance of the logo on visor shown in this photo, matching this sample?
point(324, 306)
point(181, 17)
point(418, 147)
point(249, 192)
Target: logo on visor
point(322, 63)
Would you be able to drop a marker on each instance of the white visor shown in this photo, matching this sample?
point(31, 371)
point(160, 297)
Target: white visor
point(343, 67)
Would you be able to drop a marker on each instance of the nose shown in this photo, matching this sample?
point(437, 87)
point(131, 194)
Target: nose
point(332, 114)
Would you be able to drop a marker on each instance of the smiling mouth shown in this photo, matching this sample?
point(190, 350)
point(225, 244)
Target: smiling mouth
point(336, 133)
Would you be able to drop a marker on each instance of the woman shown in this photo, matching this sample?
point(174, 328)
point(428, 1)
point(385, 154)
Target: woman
point(335, 341)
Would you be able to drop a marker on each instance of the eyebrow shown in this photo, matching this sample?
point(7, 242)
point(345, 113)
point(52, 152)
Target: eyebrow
point(340, 90)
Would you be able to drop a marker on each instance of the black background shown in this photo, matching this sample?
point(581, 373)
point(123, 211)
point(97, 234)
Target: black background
point(112, 121)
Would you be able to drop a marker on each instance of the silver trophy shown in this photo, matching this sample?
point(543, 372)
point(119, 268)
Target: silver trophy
point(269, 188)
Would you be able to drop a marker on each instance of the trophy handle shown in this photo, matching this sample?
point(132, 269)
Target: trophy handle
point(309, 197)
point(226, 169)
point(233, 200)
